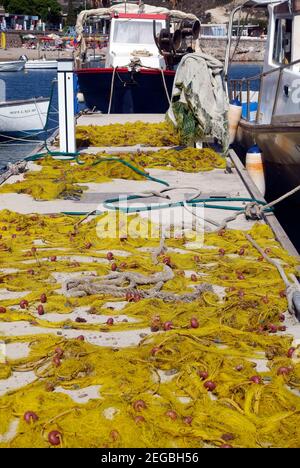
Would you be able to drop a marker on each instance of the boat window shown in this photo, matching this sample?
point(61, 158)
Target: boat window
point(282, 53)
point(135, 32)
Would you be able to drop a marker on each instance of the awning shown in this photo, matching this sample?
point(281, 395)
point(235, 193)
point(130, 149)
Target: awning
point(131, 9)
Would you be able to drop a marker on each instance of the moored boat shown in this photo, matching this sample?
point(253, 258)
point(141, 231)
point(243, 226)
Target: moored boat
point(40, 64)
point(145, 45)
point(13, 66)
point(21, 118)
point(275, 124)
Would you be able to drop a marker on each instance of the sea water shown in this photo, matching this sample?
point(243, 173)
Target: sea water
point(27, 85)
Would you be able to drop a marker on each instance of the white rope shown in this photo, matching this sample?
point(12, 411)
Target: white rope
point(165, 86)
point(112, 90)
point(11, 138)
point(163, 79)
point(291, 287)
point(202, 218)
point(13, 169)
point(119, 284)
point(39, 114)
point(137, 63)
point(283, 197)
point(163, 193)
point(269, 259)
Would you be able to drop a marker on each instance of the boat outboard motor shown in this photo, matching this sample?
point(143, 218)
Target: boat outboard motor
point(190, 29)
point(24, 58)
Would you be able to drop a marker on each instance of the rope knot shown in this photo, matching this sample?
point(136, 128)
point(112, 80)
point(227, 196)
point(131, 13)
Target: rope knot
point(254, 211)
point(18, 168)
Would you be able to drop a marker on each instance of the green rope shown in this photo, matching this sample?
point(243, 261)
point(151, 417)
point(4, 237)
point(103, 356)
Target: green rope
point(75, 157)
point(205, 202)
point(133, 168)
point(108, 204)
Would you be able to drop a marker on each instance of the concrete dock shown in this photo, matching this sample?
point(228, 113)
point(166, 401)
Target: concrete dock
point(231, 183)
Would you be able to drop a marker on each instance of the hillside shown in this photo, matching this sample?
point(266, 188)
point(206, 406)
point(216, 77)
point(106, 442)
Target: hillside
point(204, 9)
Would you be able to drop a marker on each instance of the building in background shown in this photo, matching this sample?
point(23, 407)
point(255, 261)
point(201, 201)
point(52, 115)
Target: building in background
point(19, 22)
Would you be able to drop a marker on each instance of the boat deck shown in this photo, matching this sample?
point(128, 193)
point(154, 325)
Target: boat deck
point(64, 325)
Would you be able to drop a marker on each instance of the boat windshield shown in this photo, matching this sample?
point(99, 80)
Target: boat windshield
point(135, 32)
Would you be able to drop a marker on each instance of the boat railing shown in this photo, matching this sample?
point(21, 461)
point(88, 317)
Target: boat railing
point(237, 88)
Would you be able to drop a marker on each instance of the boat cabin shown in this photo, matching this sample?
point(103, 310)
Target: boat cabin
point(278, 99)
point(146, 43)
point(132, 38)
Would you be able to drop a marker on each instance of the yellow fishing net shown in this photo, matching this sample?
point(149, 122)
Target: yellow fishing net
point(65, 179)
point(128, 134)
point(194, 373)
point(186, 160)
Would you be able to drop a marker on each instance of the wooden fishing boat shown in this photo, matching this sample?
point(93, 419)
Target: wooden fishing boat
point(21, 118)
point(145, 45)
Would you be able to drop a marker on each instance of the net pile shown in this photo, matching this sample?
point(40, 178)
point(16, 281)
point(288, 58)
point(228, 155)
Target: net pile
point(185, 160)
point(128, 134)
point(192, 381)
point(66, 179)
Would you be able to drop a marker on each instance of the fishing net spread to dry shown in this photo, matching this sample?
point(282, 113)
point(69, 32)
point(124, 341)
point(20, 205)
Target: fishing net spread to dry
point(207, 362)
point(54, 179)
point(128, 134)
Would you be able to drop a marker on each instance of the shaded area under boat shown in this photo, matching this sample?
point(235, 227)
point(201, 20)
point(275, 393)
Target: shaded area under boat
point(280, 145)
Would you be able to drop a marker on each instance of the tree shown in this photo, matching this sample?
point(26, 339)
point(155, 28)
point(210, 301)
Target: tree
point(48, 10)
point(71, 14)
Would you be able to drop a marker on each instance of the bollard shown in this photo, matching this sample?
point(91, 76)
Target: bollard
point(65, 74)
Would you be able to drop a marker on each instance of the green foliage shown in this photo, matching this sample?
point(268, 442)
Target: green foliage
point(72, 15)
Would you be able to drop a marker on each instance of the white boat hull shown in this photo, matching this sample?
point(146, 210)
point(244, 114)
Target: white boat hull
point(23, 116)
point(12, 66)
point(41, 64)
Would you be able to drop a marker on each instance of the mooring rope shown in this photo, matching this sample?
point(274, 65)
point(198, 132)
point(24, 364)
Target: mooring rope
point(112, 90)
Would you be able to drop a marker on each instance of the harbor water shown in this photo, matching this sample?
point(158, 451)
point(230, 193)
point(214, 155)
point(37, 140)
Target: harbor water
point(27, 85)
point(37, 83)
